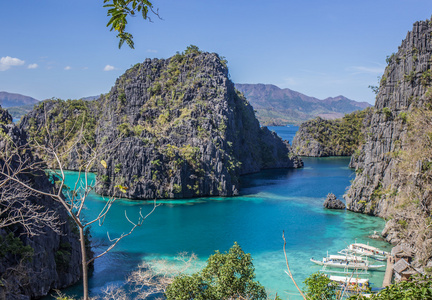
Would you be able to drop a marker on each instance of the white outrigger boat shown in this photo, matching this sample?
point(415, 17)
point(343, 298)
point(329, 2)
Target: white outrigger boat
point(350, 283)
point(366, 250)
point(346, 262)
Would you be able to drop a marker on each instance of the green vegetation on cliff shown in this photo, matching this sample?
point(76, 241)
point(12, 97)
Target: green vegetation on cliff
point(393, 176)
point(411, 192)
point(179, 127)
point(68, 118)
point(340, 137)
point(66, 124)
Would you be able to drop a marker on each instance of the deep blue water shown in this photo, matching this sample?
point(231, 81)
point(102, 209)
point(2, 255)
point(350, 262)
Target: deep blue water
point(270, 202)
point(285, 132)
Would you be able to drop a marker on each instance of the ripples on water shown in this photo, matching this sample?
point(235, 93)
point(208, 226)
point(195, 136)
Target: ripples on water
point(270, 202)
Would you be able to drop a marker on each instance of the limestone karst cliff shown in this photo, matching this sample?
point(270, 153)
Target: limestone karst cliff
point(393, 165)
point(340, 137)
point(30, 266)
point(177, 127)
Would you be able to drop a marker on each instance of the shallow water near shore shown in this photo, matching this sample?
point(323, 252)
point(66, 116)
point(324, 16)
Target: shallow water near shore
point(271, 201)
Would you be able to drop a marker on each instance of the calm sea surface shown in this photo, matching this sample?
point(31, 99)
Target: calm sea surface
point(271, 202)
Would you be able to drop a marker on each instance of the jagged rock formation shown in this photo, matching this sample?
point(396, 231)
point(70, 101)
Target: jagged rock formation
point(54, 260)
point(275, 106)
point(340, 137)
point(331, 202)
point(184, 131)
point(393, 165)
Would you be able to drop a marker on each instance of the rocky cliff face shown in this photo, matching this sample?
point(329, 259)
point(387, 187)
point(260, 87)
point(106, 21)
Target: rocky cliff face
point(181, 130)
point(392, 166)
point(53, 260)
point(340, 137)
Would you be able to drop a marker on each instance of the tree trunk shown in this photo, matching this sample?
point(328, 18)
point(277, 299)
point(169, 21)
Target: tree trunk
point(84, 264)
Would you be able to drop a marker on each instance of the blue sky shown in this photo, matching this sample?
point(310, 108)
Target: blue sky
point(58, 48)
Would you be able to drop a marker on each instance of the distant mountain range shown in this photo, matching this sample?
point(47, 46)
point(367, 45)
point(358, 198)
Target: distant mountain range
point(276, 106)
point(17, 104)
point(273, 105)
point(10, 100)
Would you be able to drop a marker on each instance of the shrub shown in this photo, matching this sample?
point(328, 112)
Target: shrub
point(387, 112)
point(403, 116)
point(409, 77)
point(420, 287)
point(227, 276)
point(318, 286)
point(122, 98)
point(13, 245)
point(192, 49)
point(426, 77)
point(63, 256)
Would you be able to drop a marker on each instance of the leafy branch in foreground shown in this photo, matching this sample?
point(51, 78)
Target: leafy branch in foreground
point(420, 287)
point(120, 10)
point(227, 275)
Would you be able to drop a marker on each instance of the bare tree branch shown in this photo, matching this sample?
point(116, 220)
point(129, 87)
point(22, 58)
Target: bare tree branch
point(152, 278)
point(17, 164)
point(115, 241)
point(15, 208)
point(289, 271)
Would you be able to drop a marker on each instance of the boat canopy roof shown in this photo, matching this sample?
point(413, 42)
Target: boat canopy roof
point(367, 247)
point(346, 257)
point(349, 279)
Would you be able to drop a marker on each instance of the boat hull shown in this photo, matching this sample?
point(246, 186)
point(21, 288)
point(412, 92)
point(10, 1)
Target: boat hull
point(350, 265)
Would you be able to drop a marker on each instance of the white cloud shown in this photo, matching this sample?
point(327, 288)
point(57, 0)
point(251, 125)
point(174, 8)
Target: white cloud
point(7, 62)
point(108, 68)
point(152, 51)
point(33, 66)
point(67, 68)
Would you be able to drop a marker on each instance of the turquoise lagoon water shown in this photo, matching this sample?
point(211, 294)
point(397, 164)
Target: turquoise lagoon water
point(270, 202)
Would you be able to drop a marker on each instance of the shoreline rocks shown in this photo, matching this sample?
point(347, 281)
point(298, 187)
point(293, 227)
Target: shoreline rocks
point(332, 202)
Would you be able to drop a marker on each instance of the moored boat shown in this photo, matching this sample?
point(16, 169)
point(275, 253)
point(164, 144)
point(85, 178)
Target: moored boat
point(346, 262)
point(366, 250)
point(350, 283)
